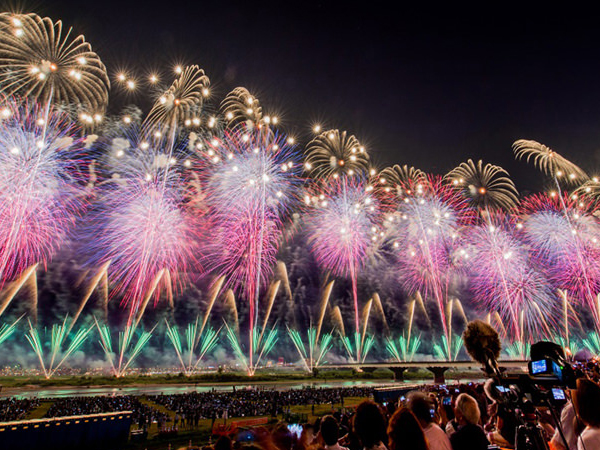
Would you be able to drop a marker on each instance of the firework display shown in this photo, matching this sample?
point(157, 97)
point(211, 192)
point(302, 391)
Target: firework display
point(41, 61)
point(203, 220)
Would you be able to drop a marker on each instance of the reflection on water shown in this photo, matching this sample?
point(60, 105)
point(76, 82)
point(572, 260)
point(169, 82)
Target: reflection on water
point(182, 389)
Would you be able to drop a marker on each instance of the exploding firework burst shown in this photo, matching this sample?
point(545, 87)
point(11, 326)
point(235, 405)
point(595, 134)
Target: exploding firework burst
point(486, 186)
point(240, 106)
point(252, 179)
point(589, 192)
point(334, 153)
point(565, 240)
point(39, 60)
point(425, 237)
point(502, 278)
point(180, 102)
point(142, 225)
point(399, 178)
point(549, 162)
point(342, 225)
point(41, 185)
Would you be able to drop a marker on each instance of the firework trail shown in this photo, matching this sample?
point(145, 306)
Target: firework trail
point(425, 236)
point(564, 238)
point(251, 176)
point(142, 225)
point(41, 185)
point(40, 61)
point(342, 223)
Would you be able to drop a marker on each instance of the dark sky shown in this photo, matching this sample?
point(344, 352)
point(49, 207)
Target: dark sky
point(421, 85)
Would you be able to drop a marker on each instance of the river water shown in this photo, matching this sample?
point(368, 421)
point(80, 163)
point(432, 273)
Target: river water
point(83, 391)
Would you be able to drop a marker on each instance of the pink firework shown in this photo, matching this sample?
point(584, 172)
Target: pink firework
point(251, 176)
point(430, 218)
point(503, 278)
point(564, 237)
point(42, 191)
point(142, 225)
point(343, 222)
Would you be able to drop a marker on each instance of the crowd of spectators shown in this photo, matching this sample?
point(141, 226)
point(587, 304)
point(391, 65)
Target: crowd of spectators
point(469, 416)
point(143, 415)
point(15, 409)
point(192, 407)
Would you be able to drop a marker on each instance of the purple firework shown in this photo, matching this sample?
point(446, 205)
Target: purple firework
point(251, 175)
point(42, 190)
point(503, 278)
point(564, 238)
point(342, 223)
point(142, 225)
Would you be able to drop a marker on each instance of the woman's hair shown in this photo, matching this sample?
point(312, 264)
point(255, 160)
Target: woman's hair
point(369, 424)
point(405, 432)
point(587, 399)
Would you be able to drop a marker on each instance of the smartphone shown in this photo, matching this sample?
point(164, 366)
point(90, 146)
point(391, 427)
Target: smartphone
point(447, 401)
point(295, 429)
point(502, 389)
point(432, 412)
point(403, 398)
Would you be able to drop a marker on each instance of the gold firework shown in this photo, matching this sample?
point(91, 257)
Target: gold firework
point(590, 190)
point(549, 162)
point(182, 100)
point(39, 59)
point(399, 177)
point(487, 186)
point(334, 153)
point(240, 105)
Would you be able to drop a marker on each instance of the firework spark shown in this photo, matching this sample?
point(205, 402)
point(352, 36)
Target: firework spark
point(180, 102)
point(486, 186)
point(240, 106)
point(342, 224)
point(548, 161)
point(142, 225)
point(41, 185)
point(252, 181)
point(40, 61)
point(425, 236)
point(565, 240)
point(333, 154)
point(503, 278)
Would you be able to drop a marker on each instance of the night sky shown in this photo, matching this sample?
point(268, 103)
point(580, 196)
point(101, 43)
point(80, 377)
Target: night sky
point(424, 86)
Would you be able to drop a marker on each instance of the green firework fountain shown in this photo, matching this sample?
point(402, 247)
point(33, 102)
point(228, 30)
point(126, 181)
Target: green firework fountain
point(197, 339)
point(127, 352)
point(448, 351)
point(592, 343)
point(263, 340)
point(404, 348)
point(359, 349)
point(6, 331)
point(314, 351)
point(56, 357)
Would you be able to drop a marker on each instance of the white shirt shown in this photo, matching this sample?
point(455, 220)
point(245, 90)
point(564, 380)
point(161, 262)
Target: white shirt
point(590, 438)
point(567, 422)
point(437, 439)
